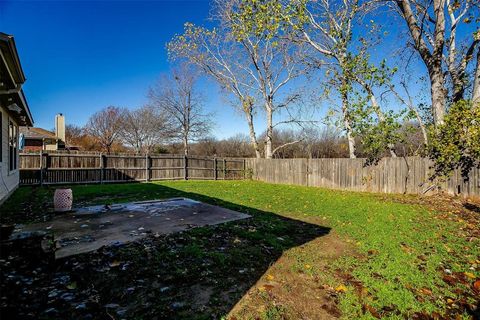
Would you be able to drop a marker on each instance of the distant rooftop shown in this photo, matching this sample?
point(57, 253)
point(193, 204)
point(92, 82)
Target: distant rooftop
point(37, 133)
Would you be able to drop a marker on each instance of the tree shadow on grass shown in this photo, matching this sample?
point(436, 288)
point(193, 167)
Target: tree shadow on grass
point(196, 274)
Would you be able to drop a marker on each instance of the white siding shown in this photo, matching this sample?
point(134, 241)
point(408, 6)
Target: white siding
point(8, 180)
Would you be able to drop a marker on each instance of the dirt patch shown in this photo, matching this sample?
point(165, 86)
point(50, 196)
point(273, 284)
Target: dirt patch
point(289, 290)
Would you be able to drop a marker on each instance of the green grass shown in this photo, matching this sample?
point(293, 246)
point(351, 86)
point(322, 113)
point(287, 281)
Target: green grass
point(399, 249)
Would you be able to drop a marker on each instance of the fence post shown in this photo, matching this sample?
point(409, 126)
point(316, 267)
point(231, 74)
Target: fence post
point(41, 168)
point(102, 168)
point(215, 174)
point(47, 165)
point(147, 167)
point(224, 169)
point(244, 169)
point(185, 167)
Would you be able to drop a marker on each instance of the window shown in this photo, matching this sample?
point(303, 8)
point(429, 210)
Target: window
point(12, 145)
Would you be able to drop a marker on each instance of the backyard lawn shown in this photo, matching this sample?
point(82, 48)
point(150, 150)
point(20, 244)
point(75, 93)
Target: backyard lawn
point(306, 253)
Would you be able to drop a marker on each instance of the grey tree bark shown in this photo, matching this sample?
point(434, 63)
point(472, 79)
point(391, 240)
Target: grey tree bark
point(348, 127)
point(476, 84)
point(269, 131)
point(433, 59)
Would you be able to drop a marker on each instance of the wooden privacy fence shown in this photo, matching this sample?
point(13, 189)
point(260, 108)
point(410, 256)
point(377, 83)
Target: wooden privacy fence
point(62, 168)
point(390, 175)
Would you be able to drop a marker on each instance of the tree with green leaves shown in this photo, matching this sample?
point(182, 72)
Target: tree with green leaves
point(327, 27)
point(456, 143)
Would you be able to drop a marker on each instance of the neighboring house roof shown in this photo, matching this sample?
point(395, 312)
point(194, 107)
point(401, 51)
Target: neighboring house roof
point(11, 81)
point(37, 133)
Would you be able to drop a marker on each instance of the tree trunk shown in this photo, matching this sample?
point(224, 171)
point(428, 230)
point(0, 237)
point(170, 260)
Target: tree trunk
point(185, 146)
point(348, 126)
point(247, 109)
point(457, 72)
point(476, 84)
point(269, 136)
point(432, 60)
point(438, 95)
point(253, 139)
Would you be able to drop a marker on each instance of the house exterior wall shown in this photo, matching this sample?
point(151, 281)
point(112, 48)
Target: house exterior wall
point(9, 180)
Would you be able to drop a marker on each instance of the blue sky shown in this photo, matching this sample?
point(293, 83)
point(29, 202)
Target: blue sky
point(82, 56)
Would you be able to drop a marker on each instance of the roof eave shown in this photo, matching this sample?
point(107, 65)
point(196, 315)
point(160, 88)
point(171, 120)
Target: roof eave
point(14, 55)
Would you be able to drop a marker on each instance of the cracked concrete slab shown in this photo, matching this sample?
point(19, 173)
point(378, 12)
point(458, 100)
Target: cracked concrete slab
point(89, 228)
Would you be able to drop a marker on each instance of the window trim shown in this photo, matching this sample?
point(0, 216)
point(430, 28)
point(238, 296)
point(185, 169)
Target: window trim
point(12, 135)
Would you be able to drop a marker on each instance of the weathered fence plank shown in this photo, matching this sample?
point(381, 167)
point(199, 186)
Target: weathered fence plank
point(63, 168)
point(390, 175)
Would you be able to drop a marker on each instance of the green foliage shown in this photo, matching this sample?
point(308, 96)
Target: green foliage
point(379, 130)
point(378, 136)
point(190, 45)
point(456, 143)
point(399, 248)
point(261, 19)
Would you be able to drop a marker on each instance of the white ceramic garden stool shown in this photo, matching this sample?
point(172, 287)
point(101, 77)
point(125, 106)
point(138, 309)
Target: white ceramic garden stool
point(62, 200)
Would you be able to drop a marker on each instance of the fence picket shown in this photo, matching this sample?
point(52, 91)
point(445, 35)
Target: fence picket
point(64, 168)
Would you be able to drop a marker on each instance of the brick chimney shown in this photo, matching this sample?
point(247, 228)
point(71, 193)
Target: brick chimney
point(60, 126)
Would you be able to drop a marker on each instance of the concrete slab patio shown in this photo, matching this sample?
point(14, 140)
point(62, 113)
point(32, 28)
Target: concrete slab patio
point(89, 228)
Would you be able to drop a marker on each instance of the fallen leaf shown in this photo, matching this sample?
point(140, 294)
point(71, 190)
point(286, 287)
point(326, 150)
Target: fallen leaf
point(268, 287)
point(363, 292)
point(476, 285)
point(470, 275)
point(372, 311)
point(270, 277)
point(307, 266)
point(450, 280)
point(341, 288)
point(114, 263)
point(425, 291)
point(72, 285)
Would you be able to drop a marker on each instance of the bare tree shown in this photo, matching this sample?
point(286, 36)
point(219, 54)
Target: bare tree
point(73, 134)
point(255, 65)
point(176, 96)
point(144, 128)
point(407, 100)
point(214, 52)
point(235, 146)
point(104, 127)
